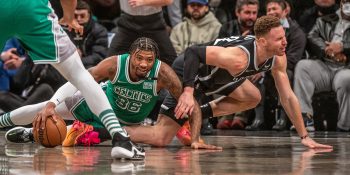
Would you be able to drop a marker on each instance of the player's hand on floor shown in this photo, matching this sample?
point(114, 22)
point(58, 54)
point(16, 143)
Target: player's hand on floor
point(308, 142)
point(200, 145)
point(41, 116)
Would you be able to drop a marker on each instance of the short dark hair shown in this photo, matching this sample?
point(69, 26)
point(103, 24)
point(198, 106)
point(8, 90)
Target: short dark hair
point(145, 44)
point(264, 24)
point(82, 5)
point(241, 3)
point(282, 3)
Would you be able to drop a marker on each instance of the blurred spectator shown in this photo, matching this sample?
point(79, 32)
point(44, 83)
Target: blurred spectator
point(175, 12)
point(329, 42)
point(322, 7)
point(199, 27)
point(142, 18)
point(92, 45)
point(223, 9)
point(31, 83)
point(106, 12)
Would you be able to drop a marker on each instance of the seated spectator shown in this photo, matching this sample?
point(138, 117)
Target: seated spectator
point(199, 27)
point(329, 42)
point(92, 46)
point(106, 12)
point(31, 83)
point(321, 8)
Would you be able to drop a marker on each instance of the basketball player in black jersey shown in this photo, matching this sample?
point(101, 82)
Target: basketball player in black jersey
point(241, 57)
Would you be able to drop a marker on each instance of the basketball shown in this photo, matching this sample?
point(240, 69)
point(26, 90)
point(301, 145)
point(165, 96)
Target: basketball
point(53, 134)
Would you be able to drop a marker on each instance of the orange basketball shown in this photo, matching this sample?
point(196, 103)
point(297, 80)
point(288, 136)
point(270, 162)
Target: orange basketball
point(53, 134)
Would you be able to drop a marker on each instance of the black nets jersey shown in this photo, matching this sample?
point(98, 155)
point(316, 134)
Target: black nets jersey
point(215, 80)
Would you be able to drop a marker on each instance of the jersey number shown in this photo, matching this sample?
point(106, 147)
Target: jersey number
point(131, 106)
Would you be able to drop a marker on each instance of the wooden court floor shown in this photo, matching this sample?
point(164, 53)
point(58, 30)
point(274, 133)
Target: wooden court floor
point(263, 152)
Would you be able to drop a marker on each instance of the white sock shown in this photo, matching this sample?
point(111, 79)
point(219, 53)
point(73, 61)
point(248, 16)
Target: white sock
point(73, 70)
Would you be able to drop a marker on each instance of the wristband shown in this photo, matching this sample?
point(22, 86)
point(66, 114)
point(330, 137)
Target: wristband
point(304, 137)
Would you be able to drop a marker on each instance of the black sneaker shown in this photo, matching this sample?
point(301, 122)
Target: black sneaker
point(19, 135)
point(280, 125)
point(308, 122)
point(257, 125)
point(124, 148)
point(206, 128)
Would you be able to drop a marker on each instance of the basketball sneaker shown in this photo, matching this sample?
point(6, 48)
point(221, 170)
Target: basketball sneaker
point(77, 130)
point(224, 124)
point(19, 135)
point(308, 122)
point(124, 148)
point(89, 138)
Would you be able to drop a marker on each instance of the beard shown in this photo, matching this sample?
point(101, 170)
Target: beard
point(196, 15)
point(247, 23)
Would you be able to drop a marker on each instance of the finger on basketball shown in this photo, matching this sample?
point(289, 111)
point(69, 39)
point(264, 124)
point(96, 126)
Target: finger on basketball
point(37, 122)
point(55, 117)
point(42, 123)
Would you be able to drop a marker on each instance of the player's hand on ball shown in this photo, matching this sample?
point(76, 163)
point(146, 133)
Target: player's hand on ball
point(41, 116)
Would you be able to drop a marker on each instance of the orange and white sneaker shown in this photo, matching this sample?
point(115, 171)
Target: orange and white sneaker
point(184, 135)
point(77, 130)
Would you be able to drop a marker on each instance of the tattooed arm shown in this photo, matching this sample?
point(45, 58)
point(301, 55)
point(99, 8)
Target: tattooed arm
point(106, 69)
point(168, 80)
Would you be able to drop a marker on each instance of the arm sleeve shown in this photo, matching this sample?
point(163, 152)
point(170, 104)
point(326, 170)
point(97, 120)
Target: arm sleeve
point(194, 55)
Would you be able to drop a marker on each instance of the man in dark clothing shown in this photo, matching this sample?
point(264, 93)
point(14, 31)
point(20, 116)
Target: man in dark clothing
point(32, 83)
point(322, 7)
point(93, 44)
point(247, 13)
point(329, 42)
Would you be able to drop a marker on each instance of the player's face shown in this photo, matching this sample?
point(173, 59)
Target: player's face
point(247, 15)
point(276, 41)
point(141, 63)
point(82, 16)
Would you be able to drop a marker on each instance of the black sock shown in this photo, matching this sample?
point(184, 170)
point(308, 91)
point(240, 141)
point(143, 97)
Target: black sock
point(207, 112)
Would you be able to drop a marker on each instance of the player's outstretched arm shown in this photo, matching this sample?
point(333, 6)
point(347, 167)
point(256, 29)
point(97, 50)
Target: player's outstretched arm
point(290, 102)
